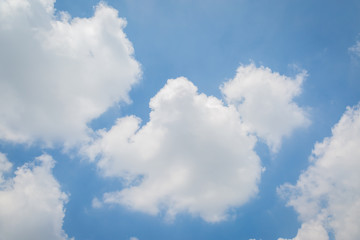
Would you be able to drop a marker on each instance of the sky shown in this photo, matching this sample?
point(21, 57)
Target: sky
point(140, 120)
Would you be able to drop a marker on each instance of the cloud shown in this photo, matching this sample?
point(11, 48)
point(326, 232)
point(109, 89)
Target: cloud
point(264, 100)
point(310, 230)
point(96, 203)
point(31, 203)
point(58, 73)
point(328, 192)
point(194, 155)
point(355, 49)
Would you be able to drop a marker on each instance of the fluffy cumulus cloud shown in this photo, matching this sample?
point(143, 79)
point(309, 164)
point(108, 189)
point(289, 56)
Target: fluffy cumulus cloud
point(327, 194)
point(264, 100)
point(310, 230)
point(59, 73)
point(195, 154)
point(31, 203)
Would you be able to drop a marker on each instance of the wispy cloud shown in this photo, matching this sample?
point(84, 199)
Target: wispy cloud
point(355, 49)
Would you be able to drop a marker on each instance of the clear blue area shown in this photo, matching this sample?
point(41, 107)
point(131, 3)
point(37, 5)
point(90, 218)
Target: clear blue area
point(206, 41)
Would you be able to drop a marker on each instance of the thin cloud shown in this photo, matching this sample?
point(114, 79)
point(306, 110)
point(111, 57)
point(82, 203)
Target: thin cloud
point(355, 49)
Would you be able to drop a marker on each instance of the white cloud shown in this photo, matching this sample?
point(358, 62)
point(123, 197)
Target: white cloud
point(355, 49)
point(56, 75)
point(328, 192)
point(194, 155)
point(264, 100)
point(32, 204)
point(310, 230)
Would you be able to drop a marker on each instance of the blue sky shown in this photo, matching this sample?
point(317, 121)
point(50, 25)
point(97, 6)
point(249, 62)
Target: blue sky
point(179, 119)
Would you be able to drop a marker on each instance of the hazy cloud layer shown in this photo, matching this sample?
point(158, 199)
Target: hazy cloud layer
point(31, 203)
point(328, 192)
point(265, 102)
point(58, 73)
point(195, 155)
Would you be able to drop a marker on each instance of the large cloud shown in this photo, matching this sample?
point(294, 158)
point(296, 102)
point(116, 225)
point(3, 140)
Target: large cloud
point(58, 73)
point(31, 203)
point(264, 100)
point(194, 155)
point(327, 194)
